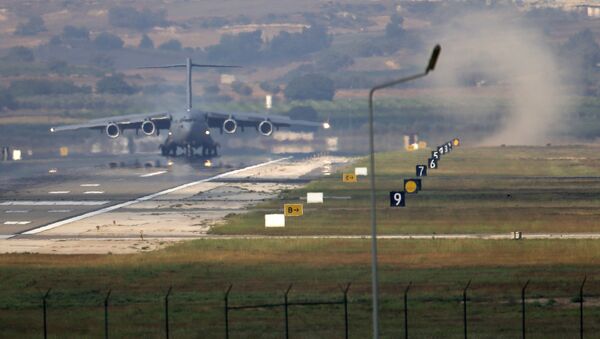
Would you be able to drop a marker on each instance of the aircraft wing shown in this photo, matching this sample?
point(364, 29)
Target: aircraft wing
point(162, 120)
point(246, 119)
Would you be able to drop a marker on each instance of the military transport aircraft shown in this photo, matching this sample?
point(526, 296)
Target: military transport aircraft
point(190, 129)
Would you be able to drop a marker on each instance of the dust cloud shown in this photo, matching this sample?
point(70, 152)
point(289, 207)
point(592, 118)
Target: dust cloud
point(500, 49)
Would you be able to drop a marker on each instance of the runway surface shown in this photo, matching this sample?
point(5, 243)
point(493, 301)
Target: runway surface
point(37, 193)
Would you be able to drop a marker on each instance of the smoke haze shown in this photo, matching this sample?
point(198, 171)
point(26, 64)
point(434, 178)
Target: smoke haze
point(499, 48)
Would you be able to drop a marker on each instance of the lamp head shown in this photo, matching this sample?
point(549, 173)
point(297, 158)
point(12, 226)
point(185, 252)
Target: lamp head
point(434, 57)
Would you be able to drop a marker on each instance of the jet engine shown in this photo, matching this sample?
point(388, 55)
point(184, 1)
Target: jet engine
point(148, 127)
point(113, 130)
point(229, 126)
point(265, 128)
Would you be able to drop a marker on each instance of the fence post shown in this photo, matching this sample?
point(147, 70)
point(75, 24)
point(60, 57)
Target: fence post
point(227, 311)
point(345, 290)
point(581, 307)
point(285, 299)
point(465, 307)
point(523, 307)
point(406, 309)
point(167, 311)
point(44, 307)
point(106, 314)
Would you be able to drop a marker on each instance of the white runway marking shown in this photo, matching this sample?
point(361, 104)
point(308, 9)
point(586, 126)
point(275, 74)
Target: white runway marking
point(148, 197)
point(59, 192)
point(17, 211)
point(53, 203)
point(89, 185)
point(152, 174)
point(59, 211)
point(16, 222)
point(93, 192)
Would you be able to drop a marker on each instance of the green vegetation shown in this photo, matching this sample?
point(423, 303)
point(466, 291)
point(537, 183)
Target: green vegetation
point(470, 183)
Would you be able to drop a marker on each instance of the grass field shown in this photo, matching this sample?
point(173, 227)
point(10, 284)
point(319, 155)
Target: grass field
point(468, 190)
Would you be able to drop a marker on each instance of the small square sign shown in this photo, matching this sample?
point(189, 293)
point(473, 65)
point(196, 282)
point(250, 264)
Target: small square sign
point(397, 199)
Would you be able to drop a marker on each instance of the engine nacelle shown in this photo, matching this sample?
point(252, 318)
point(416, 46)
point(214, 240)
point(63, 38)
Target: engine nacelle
point(265, 128)
point(148, 127)
point(229, 126)
point(113, 130)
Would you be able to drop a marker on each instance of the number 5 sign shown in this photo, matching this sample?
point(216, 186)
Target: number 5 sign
point(397, 199)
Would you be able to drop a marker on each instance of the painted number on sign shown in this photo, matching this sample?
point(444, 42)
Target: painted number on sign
point(421, 170)
point(432, 163)
point(397, 199)
point(349, 177)
point(435, 155)
point(293, 210)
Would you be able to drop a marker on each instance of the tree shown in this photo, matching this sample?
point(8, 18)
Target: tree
point(270, 87)
point(245, 46)
point(241, 88)
point(310, 87)
point(7, 101)
point(129, 17)
point(212, 89)
point(20, 54)
point(333, 61)
point(303, 113)
point(171, 45)
point(146, 42)
point(72, 34)
point(114, 84)
point(108, 41)
point(294, 45)
point(27, 87)
point(393, 29)
point(33, 26)
point(58, 66)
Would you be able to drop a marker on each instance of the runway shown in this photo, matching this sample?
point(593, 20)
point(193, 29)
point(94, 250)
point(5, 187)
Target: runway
point(43, 193)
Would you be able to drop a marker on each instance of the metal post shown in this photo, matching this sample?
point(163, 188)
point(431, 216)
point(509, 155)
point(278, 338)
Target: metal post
point(406, 310)
point(581, 307)
point(345, 290)
point(227, 311)
point(106, 314)
point(374, 274)
point(465, 307)
point(285, 299)
point(523, 307)
point(167, 311)
point(45, 319)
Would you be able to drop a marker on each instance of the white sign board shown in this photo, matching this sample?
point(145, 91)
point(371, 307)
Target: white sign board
point(274, 220)
point(360, 171)
point(314, 197)
point(268, 101)
point(16, 154)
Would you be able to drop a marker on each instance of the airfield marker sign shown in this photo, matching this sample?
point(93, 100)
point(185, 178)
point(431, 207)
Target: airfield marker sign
point(314, 197)
point(412, 185)
point(293, 210)
point(361, 171)
point(274, 220)
point(421, 170)
point(397, 199)
point(432, 163)
point(349, 177)
point(456, 142)
point(435, 155)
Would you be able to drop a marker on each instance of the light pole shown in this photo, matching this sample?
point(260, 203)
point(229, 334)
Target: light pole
point(374, 278)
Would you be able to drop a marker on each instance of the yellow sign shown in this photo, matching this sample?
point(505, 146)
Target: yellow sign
point(64, 151)
point(349, 177)
point(410, 187)
point(293, 210)
point(456, 142)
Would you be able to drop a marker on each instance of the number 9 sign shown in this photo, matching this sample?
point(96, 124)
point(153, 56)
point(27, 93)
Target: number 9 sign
point(397, 199)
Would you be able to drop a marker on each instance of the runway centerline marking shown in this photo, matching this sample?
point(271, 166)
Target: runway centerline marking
point(16, 211)
point(93, 192)
point(59, 192)
point(16, 222)
point(146, 198)
point(53, 203)
point(89, 185)
point(152, 174)
point(59, 211)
